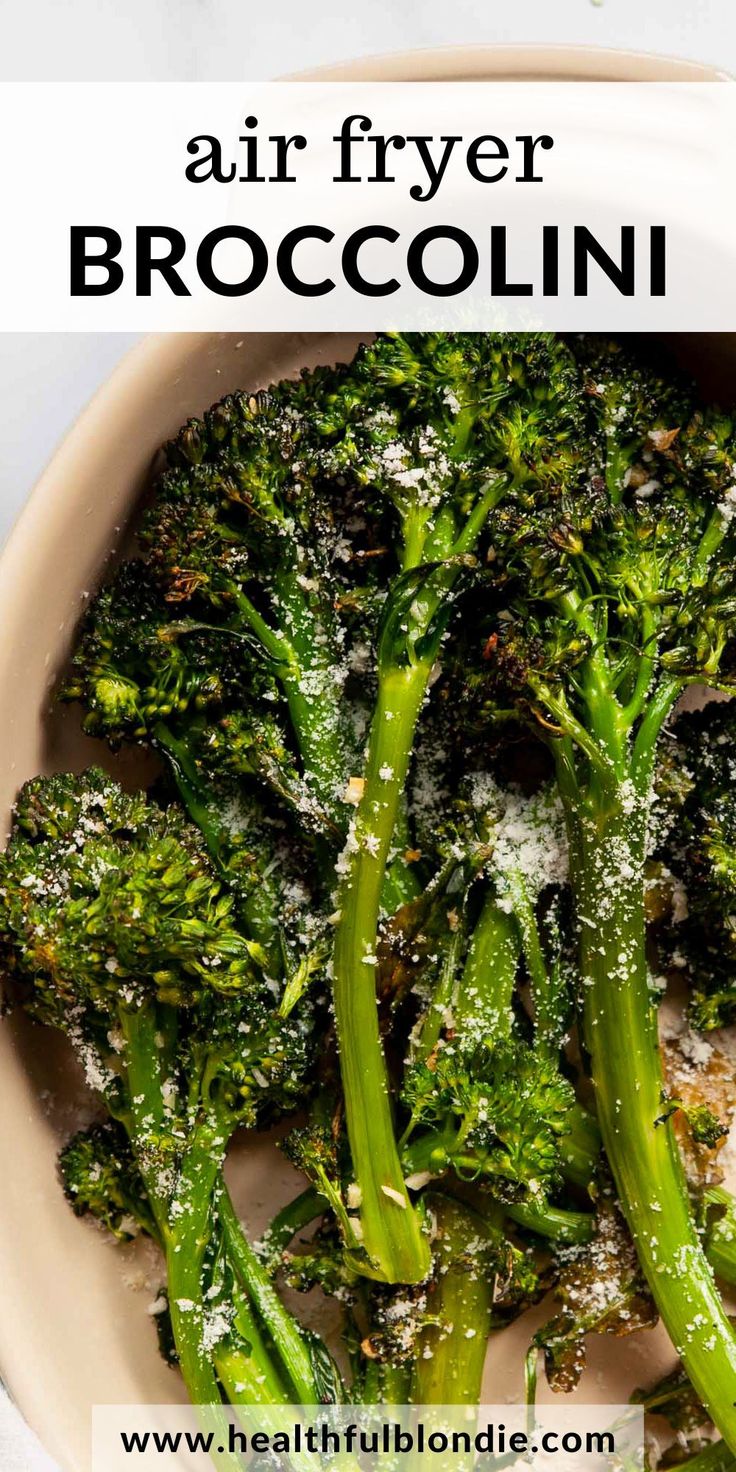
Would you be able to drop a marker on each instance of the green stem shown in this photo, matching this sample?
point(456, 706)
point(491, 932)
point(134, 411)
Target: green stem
point(435, 1017)
point(713, 535)
point(660, 705)
point(713, 1458)
point(304, 662)
point(299, 1213)
point(143, 1032)
point(186, 1237)
point(286, 1335)
point(401, 882)
point(184, 1216)
point(276, 646)
point(192, 791)
point(448, 1368)
point(547, 992)
point(580, 1147)
point(245, 1388)
point(573, 733)
point(184, 1234)
point(185, 1246)
point(645, 670)
point(720, 1238)
point(247, 1372)
point(312, 694)
point(436, 1152)
point(385, 1384)
point(621, 1037)
point(569, 1228)
point(391, 1232)
point(483, 1005)
point(241, 1377)
point(492, 494)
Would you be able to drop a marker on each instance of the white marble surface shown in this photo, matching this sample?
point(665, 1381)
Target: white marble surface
point(45, 378)
point(226, 40)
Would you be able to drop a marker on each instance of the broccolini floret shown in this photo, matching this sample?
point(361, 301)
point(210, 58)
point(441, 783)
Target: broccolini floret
point(101, 1179)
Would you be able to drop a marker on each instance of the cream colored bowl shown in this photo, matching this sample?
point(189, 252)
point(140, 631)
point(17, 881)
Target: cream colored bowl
point(73, 1330)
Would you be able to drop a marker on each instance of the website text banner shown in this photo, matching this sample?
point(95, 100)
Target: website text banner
point(561, 1438)
point(280, 206)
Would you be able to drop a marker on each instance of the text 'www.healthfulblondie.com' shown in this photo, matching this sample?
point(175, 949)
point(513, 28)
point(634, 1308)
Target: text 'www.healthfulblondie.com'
point(351, 1438)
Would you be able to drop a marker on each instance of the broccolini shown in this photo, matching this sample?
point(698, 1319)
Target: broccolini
point(406, 634)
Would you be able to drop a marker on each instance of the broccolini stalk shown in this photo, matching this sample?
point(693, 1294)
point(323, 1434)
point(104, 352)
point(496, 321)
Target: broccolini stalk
point(289, 1340)
point(390, 1228)
point(102, 1176)
point(715, 1457)
point(484, 996)
point(409, 642)
point(185, 1226)
point(281, 1231)
point(622, 592)
point(621, 1035)
point(720, 1234)
point(384, 1384)
point(183, 1232)
point(443, 446)
point(608, 815)
point(451, 1351)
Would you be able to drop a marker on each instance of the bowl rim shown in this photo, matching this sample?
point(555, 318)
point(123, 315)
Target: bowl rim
point(486, 61)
